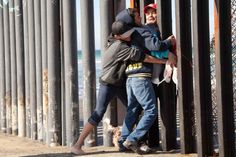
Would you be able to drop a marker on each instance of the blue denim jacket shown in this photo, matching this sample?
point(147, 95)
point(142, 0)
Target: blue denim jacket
point(154, 29)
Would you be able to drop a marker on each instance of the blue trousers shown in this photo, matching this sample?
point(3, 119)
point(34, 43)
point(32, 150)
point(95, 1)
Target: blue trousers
point(105, 94)
point(140, 95)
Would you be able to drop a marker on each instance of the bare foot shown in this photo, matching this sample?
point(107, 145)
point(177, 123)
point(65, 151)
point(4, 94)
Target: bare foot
point(77, 151)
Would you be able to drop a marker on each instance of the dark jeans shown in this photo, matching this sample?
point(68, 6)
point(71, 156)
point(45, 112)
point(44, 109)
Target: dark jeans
point(105, 94)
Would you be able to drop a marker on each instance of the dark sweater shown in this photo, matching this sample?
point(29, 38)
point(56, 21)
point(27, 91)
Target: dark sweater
point(114, 61)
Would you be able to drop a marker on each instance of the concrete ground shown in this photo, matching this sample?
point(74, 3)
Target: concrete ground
point(13, 146)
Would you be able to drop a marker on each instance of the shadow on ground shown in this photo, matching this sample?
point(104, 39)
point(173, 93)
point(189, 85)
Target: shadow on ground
point(105, 153)
point(72, 155)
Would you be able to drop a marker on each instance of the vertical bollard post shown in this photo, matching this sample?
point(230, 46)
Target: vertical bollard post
point(141, 11)
point(63, 101)
point(13, 68)
point(7, 66)
point(44, 69)
point(107, 17)
point(185, 75)
point(54, 72)
point(20, 68)
point(2, 72)
point(224, 90)
point(168, 90)
point(119, 5)
point(38, 55)
point(88, 54)
point(32, 68)
point(202, 76)
point(71, 72)
point(26, 67)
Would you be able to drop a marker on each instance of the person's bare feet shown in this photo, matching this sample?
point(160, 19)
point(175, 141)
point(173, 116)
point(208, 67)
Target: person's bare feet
point(77, 151)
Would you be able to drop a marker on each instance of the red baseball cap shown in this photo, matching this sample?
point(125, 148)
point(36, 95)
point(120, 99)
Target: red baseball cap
point(152, 5)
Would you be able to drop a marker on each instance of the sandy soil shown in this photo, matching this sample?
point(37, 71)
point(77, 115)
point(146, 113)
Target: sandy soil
point(13, 146)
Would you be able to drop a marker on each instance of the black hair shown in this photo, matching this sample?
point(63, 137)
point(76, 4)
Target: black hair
point(132, 12)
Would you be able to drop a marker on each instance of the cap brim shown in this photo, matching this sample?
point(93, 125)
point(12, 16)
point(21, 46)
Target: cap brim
point(128, 33)
point(147, 7)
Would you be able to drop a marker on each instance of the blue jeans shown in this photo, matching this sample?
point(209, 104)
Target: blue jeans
point(105, 94)
point(140, 95)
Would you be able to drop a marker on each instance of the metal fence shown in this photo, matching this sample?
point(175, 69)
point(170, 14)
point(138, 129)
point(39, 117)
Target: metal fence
point(213, 76)
point(60, 122)
point(233, 22)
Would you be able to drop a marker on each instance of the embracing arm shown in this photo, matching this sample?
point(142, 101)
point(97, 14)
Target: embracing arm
point(152, 43)
point(151, 59)
point(130, 53)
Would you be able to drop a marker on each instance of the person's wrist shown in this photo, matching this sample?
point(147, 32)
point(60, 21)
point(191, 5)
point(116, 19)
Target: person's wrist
point(165, 61)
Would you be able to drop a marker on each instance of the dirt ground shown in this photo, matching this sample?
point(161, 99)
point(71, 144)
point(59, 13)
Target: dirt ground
point(13, 146)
